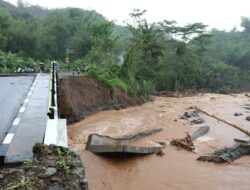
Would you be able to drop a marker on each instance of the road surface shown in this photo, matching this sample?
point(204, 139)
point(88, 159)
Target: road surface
point(13, 90)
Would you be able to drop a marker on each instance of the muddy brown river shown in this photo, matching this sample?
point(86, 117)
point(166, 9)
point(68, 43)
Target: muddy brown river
point(177, 169)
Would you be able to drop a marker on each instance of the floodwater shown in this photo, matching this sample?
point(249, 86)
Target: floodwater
point(177, 169)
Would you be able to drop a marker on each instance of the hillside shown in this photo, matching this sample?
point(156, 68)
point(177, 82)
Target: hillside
point(35, 11)
point(140, 58)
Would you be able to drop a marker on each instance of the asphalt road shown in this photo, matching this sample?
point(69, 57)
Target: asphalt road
point(13, 90)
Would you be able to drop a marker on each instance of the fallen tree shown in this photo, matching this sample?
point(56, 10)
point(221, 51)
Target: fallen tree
point(224, 121)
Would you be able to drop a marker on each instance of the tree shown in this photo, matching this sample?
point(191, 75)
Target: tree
point(5, 22)
point(23, 36)
point(184, 52)
point(145, 48)
point(245, 23)
point(103, 42)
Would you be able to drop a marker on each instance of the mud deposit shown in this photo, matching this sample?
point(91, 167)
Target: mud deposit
point(177, 169)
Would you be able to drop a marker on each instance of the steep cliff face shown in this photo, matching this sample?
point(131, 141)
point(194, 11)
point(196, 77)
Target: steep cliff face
point(80, 97)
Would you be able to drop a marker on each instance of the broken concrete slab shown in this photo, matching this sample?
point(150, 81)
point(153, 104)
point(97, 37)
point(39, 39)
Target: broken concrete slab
point(200, 132)
point(131, 138)
point(104, 144)
point(227, 154)
point(245, 139)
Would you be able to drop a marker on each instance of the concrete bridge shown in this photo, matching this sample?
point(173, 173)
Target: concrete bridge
point(29, 115)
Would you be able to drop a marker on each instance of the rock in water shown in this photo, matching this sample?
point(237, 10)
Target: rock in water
point(237, 114)
point(198, 121)
point(248, 118)
point(185, 116)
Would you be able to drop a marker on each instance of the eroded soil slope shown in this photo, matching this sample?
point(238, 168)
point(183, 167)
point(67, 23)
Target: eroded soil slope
point(83, 96)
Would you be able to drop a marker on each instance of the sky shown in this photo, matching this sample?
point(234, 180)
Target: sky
point(220, 14)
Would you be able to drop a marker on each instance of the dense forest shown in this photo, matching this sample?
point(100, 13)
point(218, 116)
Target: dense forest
point(140, 58)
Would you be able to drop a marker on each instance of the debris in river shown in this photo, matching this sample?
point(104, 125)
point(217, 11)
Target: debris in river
point(171, 94)
point(193, 114)
point(105, 144)
point(224, 121)
point(238, 114)
point(198, 121)
point(246, 107)
point(245, 139)
point(160, 153)
point(163, 144)
point(248, 118)
point(227, 154)
point(200, 132)
point(188, 115)
point(187, 142)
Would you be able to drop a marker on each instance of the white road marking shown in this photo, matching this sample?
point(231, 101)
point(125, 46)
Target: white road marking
point(26, 100)
point(16, 121)
point(22, 109)
point(8, 138)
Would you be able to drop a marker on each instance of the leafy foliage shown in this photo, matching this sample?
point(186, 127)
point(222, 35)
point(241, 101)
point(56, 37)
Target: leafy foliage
point(10, 62)
point(140, 58)
point(107, 75)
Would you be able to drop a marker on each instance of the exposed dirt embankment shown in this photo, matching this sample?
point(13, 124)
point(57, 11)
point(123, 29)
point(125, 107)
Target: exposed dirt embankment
point(82, 96)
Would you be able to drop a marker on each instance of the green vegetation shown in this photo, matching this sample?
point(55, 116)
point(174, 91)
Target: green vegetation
point(64, 167)
point(10, 62)
point(25, 183)
point(51, 167)
point(139, 58)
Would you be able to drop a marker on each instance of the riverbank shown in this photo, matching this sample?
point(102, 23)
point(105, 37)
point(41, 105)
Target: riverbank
point(177, 169)
point(81, 97)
